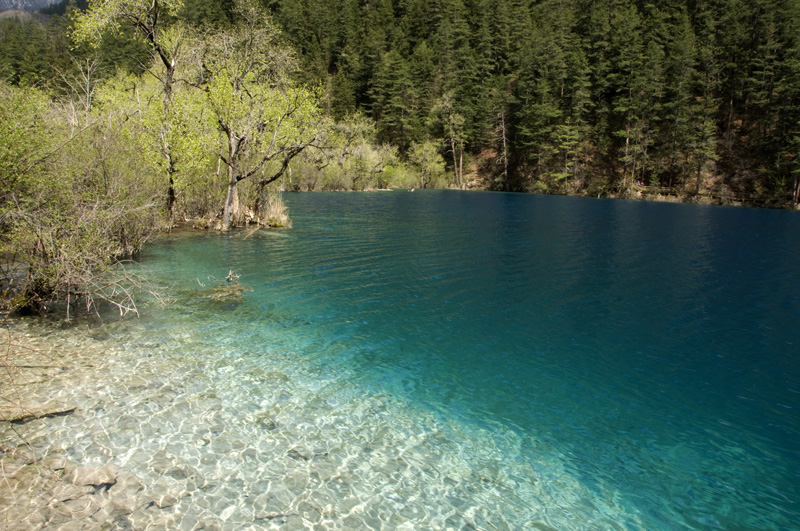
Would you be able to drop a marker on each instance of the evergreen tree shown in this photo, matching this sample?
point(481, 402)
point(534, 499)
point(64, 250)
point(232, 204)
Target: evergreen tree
point(677, 134)
point(394, 102)
point(209, 13)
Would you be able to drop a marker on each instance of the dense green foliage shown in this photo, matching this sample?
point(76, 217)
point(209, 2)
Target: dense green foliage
point(574, 96)
point(610, 97)
point(74, 200)
point(97, 157)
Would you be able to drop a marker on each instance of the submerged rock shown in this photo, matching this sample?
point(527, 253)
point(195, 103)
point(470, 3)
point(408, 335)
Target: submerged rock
point(95, 476)
point(266, 422)
point(231, 290)
point(80, 498)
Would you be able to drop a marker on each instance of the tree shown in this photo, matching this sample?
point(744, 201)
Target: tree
point(638, 85)
point(261, 113)
point(187, 127)
point(395, 102)
point(501, 132)
point(149, 19)
point(452, 125)
point(71, 206)
point(81, 83)
point(351, 159)
point(550, 101)
point(576, 96)
point(677, 133)
point(208, 13)
point(25, 139)
point(426, 158)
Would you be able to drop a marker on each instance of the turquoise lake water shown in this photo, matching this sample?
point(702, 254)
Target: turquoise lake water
point(463, 360)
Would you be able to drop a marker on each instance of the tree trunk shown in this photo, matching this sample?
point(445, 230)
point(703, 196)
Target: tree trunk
point(699, 180)
point(170, 198)
point(626, 188)
point(505, 150)
point(231, 205)
point(231, 199)
point(461, 166)
point(231, 208)
point(458, 158)
point(167, 147)
point(455, 162)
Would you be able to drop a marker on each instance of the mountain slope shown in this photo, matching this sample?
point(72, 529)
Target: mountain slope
point(27, 5)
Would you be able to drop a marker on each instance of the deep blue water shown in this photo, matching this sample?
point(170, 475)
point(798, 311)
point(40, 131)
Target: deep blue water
point(646, 352)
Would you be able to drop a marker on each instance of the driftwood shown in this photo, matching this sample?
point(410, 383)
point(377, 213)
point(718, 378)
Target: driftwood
point(27, 412)
point(251, 232)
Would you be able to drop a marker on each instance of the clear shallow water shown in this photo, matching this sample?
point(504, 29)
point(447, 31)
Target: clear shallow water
point(463, 360)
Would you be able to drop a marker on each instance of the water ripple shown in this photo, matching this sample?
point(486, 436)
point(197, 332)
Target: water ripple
point(458, 360)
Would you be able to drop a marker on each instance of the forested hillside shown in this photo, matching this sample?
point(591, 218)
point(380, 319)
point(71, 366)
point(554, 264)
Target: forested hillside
point(572, 96)
point(25, 4)
point(600, 97)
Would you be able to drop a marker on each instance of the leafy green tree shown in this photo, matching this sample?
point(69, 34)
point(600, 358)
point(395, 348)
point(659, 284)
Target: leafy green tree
point(149, 18)
point(429, 164)
point(351, 159)
point(25, 139)
point(262, 115)
point(186, 128)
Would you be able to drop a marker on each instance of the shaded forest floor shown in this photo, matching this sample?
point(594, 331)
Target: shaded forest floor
point(483, 173)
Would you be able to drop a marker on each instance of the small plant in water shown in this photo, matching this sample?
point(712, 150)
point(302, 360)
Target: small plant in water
point(276, 213)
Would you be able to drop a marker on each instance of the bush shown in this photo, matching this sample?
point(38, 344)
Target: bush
point(73, 204)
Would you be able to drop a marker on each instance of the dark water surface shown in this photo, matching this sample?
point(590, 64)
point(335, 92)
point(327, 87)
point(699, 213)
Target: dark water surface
point(478, 360)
